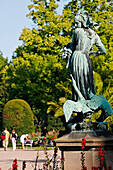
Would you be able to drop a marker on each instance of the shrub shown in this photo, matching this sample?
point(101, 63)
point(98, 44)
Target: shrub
point(55, 123)
point(17, 114)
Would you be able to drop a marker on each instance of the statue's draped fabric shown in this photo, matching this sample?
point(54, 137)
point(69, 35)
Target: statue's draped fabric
point(78, 53)
point(80, 64)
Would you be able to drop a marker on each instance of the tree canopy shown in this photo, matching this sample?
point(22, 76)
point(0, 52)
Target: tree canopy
point(37, 73)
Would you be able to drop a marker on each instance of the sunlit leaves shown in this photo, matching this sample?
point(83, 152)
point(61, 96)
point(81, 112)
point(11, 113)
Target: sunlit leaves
point(38, 74)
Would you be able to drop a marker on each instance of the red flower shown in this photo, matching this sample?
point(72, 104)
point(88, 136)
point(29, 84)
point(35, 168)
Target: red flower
point(62, 159)
point(85, 168)
point(81, 147)
point(44, 138)
point(83, 143)
point(101, 155)
point(14, 166)
point(43, 165)
point(95, 168)
point(52, 139)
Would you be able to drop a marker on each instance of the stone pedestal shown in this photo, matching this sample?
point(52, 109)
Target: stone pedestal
point(70, 146)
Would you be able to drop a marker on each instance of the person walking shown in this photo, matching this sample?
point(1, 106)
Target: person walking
point(22, 138)
point(6, 140)
point(13, 137)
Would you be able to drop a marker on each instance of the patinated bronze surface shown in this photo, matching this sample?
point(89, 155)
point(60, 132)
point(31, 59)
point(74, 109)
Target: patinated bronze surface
point(84, 98)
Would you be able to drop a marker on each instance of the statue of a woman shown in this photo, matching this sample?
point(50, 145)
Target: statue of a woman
point(84, 99)
point(79, 62)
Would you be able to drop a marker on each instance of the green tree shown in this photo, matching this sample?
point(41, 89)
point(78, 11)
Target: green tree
point(3, 85)
point(57, 108)
point(55, 123)
point(17, 114)
point(101, 12)
point(37, 68)
point(38, 74)
point(3, 61)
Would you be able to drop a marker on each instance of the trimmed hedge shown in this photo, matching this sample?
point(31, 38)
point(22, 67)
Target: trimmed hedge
point(17, 114)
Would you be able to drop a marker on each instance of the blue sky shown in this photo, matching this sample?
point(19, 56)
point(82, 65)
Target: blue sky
point(12, 21)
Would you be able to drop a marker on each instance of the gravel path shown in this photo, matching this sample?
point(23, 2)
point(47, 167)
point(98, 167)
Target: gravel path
point(28, 155)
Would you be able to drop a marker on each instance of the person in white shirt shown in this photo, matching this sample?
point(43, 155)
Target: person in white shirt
point(22, 138)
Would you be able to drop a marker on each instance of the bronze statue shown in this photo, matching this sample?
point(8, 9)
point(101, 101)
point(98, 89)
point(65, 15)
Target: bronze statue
point(84, 98)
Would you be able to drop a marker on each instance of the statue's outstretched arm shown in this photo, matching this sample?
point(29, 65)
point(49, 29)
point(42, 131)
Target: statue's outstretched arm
point(101, 48)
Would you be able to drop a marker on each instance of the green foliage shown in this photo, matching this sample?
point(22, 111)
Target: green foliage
point(101, 12)
point(3, 65)
point(95, 116)
point(38, 140)
point(99, 90)
point(38, 74)
point(3, 85)
point(3, 61)
point(57, 108)
point(17, 114)
point(109, 120)
point(55, 123)
point(98, 83)
point(52, 135)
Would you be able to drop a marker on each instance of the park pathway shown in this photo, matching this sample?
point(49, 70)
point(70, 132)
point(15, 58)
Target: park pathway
point(28, 155)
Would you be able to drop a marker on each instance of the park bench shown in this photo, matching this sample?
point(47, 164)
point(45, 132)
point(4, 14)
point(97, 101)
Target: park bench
point(26, 143)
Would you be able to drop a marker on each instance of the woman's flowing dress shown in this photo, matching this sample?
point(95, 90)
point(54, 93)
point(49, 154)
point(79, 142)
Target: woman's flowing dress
point(80, 64)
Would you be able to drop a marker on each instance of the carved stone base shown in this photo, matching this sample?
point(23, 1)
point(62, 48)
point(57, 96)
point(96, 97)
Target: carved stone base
point(70, 146)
